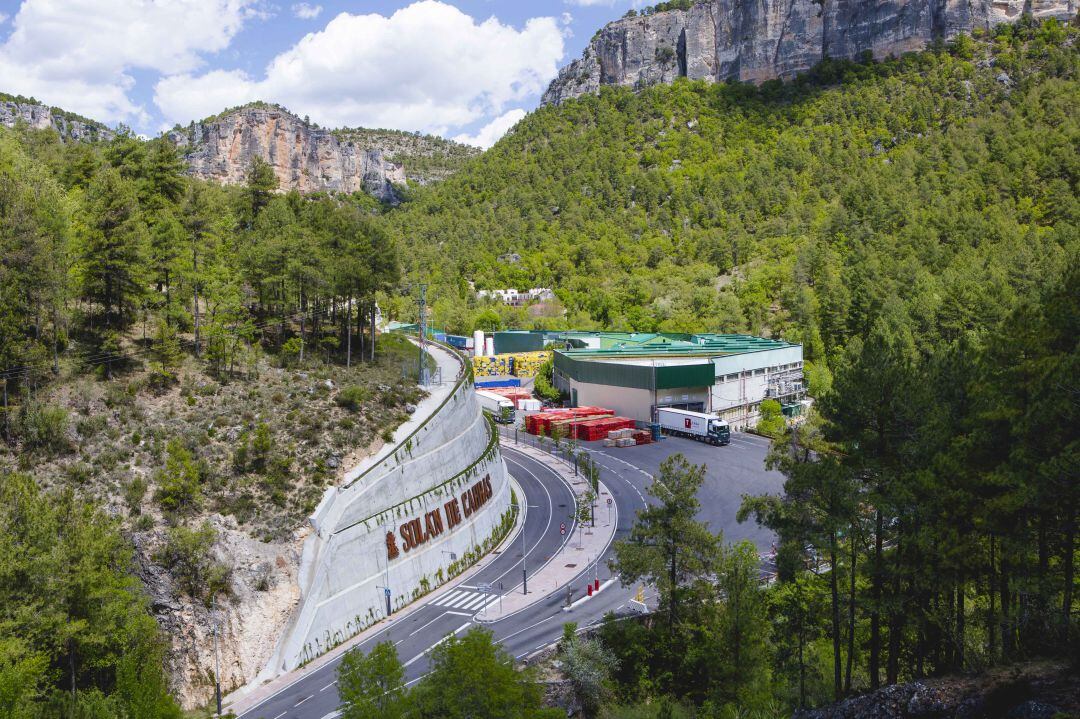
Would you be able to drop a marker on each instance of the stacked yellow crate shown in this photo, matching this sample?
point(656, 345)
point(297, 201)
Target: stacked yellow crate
point(495, 366)
point(527, 364)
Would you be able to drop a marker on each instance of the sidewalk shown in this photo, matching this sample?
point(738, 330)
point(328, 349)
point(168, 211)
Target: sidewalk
point(583, 546)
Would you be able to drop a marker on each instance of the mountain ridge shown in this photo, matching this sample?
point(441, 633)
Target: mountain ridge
point(731, 40)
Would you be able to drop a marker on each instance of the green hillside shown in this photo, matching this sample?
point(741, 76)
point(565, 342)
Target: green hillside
point(947, 178)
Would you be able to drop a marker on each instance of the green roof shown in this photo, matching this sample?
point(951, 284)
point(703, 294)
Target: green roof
point(623, 345)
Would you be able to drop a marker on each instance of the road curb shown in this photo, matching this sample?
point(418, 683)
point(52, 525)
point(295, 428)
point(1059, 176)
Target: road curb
point(565, 549)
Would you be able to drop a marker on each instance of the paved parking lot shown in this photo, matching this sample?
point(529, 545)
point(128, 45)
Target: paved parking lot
point(731, 472)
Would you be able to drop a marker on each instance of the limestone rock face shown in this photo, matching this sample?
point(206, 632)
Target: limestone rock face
point(758, 40)
point(40, 117)
point(304, 157)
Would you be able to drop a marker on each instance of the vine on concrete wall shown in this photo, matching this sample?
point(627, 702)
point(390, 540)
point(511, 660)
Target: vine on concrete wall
point(424, 587)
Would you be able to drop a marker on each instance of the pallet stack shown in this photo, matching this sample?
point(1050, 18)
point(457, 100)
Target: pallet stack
point(592, 430)
point(570, 418)
point(527, 364)
point(495, 366)
point(627, 437)
point(515, 394)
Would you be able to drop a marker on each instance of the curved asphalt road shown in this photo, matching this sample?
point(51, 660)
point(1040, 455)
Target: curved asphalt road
point(550, 502)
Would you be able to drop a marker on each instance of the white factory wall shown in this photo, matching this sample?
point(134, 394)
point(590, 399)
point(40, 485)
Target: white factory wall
point(344, 568)
point(626, 401)
point(730, 364)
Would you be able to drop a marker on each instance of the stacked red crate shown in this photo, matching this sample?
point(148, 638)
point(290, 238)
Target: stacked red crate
point(543, 421)
point(592, 430)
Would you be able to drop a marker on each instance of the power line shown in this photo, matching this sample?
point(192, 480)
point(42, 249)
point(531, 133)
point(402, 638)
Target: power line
point(100, 358)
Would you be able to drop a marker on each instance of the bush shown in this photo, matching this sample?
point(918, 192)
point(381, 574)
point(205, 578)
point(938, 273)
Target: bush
point(178, 484)
point(44, 427)
point(134, 491)
point(262, 444)
point(187, 556)
point(772, 418)
point(352, 397)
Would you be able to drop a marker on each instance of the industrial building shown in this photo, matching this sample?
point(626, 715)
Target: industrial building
point(634, 373)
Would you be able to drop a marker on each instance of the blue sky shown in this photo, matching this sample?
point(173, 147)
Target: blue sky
point(465, 69)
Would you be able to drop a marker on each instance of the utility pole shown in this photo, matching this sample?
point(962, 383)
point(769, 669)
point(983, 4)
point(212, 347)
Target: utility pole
point(421, 324)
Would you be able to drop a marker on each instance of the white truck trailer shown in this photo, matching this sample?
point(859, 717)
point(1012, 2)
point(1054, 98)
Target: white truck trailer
point(695, 425)
point(500, 407)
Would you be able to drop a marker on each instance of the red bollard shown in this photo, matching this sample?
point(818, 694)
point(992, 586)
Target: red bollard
point(590, 589)
point(596, 585)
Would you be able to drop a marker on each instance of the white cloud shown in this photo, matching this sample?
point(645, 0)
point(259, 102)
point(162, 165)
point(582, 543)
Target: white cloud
point(3, 17)
point(79, 54)
point(491, 132)
point(305, 11)
point(427, 67)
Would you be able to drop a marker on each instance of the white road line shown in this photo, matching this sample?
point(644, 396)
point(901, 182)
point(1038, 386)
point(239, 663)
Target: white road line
point(304, 700)
point(425, 626)
point(445, 601)
point(328, 685)
point(551, 516)
point(459, 614)
point(460, 602)
point(280, 715)
point(474, 603)
point(421, 654)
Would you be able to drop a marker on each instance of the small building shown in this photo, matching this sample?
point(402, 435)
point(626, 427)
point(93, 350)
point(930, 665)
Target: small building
point(635, 373)
point(518, 298)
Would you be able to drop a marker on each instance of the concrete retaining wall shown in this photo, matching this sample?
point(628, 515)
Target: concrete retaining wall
point(345, 567)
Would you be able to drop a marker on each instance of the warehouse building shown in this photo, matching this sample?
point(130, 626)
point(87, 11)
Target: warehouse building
point(634, 373)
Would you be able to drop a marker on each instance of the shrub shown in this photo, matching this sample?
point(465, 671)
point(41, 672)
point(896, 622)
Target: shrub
point(134, 491)
point(262, 444)
point(45, 427)
point(352, 397)
point(178, 484)
point(187, 556)
point(772, 418)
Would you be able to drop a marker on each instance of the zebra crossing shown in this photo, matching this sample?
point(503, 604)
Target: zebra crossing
point(465, 600)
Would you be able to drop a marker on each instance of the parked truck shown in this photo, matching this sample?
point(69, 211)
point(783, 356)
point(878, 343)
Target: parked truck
point(695, 425)
point(500, 407)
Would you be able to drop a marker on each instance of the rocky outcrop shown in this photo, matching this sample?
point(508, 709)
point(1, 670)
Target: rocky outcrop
point(720, 40)
point(69, 126)
point(304, 157)
point(263, 592)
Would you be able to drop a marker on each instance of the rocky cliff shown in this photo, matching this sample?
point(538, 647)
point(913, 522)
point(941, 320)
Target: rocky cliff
point(758, 40)
point(306, 157)
point(70, 126)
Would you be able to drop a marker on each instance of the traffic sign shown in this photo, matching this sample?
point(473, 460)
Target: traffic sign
point(609, 501)
point(387, 592)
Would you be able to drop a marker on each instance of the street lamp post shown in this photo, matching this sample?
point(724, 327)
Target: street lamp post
point(524, 574)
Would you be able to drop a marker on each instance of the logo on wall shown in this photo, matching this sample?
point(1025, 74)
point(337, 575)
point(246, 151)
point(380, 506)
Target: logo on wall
point(686, 422)
point(416, 531)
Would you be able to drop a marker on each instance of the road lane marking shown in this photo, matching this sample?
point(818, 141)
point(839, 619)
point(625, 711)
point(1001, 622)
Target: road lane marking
point(421, 654)
point(304, 700)
point(551, 513)
point(328, 685)
point(475, 602)
point(280, 715)
point(425, 626)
